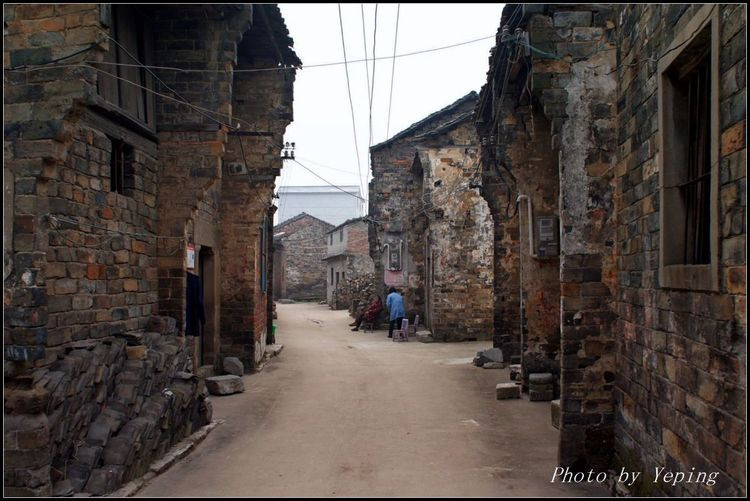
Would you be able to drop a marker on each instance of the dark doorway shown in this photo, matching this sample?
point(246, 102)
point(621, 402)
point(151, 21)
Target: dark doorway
point(207, 345)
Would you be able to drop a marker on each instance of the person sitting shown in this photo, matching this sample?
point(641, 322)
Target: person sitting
point(370, 314)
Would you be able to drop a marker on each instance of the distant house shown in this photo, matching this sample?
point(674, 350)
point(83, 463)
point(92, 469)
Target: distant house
point(347, 255)
point(299, 249)
point(324, 202)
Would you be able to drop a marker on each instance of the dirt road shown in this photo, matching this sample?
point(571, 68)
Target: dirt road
point(352, 414)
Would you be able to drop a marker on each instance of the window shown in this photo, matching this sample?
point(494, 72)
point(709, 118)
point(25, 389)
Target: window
point(689, 151)
point(331, 274)
point(341, 235)
point(331, 241)
point(121, 169)
point(337, 279)
point(132, 33)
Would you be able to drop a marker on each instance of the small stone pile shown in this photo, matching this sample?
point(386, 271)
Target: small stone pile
point(103, 412)
point(353, 293)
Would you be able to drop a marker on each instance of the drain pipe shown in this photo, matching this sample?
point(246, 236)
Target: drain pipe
point(520, 261)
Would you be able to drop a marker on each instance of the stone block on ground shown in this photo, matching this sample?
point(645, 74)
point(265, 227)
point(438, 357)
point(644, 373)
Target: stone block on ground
point(555, 411)
point(541, 396)
point(507, 391)
point(233, 365)
point(225, 385)
point(493, 365)
point(541, 378)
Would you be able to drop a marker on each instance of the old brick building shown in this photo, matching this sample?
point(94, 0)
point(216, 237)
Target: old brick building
point(117, 167)
point(431, 232)
point(300, 244)
point(347, 259)
point(623, 130)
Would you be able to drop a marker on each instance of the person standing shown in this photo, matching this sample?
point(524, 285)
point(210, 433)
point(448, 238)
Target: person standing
point(395, 304)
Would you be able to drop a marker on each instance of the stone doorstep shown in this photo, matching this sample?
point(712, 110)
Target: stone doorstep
point(177, 452)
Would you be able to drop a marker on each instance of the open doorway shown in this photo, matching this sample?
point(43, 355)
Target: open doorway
point(207, 345)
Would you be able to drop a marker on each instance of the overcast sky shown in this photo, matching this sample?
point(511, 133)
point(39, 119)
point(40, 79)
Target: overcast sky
point(423, 83)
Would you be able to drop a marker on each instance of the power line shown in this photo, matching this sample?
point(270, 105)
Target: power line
point(364, 44)
point(329, 167)
point(351, 103)
point(372, 87)
point(327, 181)
point(393, 72)
point(254, 70)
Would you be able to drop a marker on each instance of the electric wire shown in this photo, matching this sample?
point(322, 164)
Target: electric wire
point(44, 66)
point(327, 181)
point(364, 43)
point(351, 102)
point(372, 87)
point(393, 73)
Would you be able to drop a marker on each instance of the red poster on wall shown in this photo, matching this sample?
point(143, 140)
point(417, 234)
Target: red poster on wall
point(190, 256)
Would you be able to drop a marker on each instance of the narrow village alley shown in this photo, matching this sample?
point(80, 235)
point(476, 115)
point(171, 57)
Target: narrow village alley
point(350, 414)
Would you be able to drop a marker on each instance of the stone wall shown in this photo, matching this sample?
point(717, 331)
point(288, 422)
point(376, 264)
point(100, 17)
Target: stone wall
point(96, 385)
point(397, 203)
point(578, 100)
point(681, 381)
point(263, 103)
point(459, 274)
point(650, 371)
point(520, 160)
point(304, 242)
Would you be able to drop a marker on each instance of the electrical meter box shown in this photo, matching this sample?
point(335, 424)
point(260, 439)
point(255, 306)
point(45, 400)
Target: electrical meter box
point(394, 257)
point(548, 237)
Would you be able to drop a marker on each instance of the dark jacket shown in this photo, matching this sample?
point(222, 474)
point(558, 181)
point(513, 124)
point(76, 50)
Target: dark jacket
point(195, 314)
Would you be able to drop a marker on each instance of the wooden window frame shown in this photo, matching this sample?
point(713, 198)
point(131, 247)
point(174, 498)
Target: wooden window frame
point(121, 168)
point(116, 96)
point(673, 273)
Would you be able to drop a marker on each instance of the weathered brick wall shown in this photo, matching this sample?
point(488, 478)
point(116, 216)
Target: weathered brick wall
point(460, 294)
point(357, 238)
point(191, 141)
point(395, 194)
point(523, 162)
point(78, 401)
point(572, 89)
point(396, 205)
point(681, 382)
point(577, 95)
point(262, 101)
point(100, 284)
point(96, 386)
point(304, 243)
